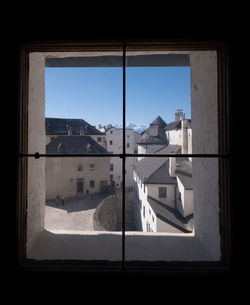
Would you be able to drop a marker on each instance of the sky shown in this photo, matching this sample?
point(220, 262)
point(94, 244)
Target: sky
point(95, 94)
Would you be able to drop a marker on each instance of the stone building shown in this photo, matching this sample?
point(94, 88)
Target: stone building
point(163, 186)
point(73, 127)
point(114, 138)
point(76, 176)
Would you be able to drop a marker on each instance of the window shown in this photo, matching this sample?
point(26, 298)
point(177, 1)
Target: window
point(111, 177)
point(210, 162)
point(110, 142)
point(111, 167)
point(162, 192)
point(80, 168)
point(99, 139)
point(91, 183)
point(128, 145)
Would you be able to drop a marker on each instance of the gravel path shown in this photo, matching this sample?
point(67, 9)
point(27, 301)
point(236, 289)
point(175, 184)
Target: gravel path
point(75, 214)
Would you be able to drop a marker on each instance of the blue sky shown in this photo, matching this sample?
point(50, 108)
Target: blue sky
point(95, 94)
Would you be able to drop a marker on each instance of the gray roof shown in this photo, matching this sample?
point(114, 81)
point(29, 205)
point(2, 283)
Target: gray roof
point(150, 165)
point(60, 126)
point(176, 125)
point(74, 145)
point(184, 173)
point(155, 133)
point(170, 215)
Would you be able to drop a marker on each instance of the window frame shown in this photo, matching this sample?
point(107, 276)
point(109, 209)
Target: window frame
point(224, 102)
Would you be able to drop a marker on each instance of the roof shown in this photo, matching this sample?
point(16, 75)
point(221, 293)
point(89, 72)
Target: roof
point(155, 133)
point(184, 173)
point(60, 126)
point(176, 125)
point(74, 145)
point(150, 165)
point(161, 175)
point(170, 215)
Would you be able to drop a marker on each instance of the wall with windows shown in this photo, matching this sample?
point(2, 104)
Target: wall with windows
point(153, 191)
point(63, 176)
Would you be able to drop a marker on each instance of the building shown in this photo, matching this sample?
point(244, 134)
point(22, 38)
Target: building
point(74, 127)
point(163, 189)
point(180, 133)
point(114, 138)
point(153, 138)
point(76, 176)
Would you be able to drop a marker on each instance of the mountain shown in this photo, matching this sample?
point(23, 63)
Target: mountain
point(137, 127)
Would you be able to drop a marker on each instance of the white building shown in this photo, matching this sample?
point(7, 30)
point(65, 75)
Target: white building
point(76, 176)
point(163, 186)
point(114, 138)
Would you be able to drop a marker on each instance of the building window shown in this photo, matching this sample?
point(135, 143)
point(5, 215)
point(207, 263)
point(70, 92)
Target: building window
point(162, 192)
point(91, 183)
point(92, 167)
point(111, 177)
point(110, 142)
point(99, 139)
point(128, 145)
point(80, 168)
point(144, 211)
point(111, 167)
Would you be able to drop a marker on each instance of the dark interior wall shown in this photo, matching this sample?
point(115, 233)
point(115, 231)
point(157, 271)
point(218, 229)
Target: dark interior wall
point(41, 22)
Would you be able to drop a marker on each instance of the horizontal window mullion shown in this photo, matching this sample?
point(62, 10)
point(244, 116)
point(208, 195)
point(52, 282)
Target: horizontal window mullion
point(124, 155)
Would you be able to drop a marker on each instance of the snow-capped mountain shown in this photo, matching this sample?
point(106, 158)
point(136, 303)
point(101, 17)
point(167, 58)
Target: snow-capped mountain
point(137, 127)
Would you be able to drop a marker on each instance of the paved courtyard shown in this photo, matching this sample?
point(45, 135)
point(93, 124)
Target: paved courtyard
point(75, 214)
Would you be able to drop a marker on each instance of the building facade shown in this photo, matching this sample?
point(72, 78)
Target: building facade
point(114, 138)
point(76, 176)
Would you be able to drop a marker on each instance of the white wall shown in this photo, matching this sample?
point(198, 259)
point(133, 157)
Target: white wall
point(174, 137)
point(185, 206)
point(59, 171)
point(36, 143)
point(204, 112)
point(153, 191)
point(116, 136)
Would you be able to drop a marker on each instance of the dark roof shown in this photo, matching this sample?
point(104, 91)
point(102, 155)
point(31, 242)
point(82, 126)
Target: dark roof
point(184, 172)
point(155, 133)
point(60, 126)
point(161, 175)
point(176, 125)
point(74, 145)
point(170, 215)
point(149, 165)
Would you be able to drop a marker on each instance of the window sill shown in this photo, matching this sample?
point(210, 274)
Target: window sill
point(107, 246)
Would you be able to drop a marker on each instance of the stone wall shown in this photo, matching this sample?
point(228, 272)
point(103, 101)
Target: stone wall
point(105, 217)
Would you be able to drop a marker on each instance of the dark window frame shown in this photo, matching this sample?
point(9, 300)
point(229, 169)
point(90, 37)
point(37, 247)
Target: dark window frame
point(224, 102)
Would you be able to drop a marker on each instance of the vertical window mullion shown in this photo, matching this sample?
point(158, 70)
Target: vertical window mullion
point(123, 152)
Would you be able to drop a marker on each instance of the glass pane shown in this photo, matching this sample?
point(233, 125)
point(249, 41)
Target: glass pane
point(83, 97)
point(82, 193)
point(74, 209)
point(174, 198)
point(171, 100)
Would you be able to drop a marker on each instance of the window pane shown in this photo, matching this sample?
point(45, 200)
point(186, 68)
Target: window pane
point(173, 196)
point(73, 213)
point(83, 97)
point(161, 87)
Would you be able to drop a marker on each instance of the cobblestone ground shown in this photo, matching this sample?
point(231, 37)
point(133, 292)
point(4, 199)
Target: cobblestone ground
point(75, 214)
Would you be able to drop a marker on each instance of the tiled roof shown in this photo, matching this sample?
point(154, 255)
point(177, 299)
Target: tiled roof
point(60, 126)
point(74, 145)
point(171, 215)
point(155, 133)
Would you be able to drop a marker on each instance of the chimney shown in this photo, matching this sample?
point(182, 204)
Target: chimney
point(81, 131)
point(70, 131)
point(172, 166)
point(184, 148)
